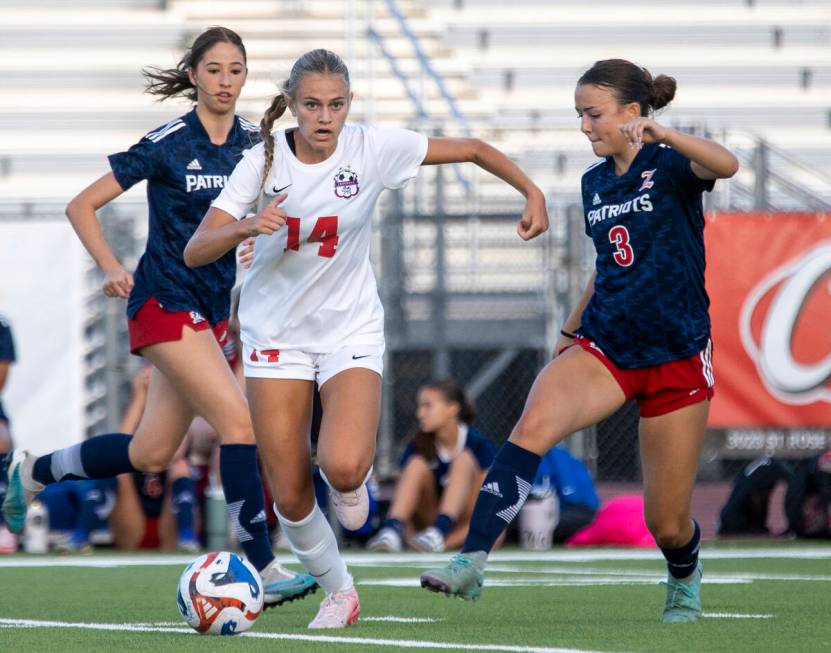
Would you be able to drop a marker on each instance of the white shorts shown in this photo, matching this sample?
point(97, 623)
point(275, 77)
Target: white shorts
point(305, 366)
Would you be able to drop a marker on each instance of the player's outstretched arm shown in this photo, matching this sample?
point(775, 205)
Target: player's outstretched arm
point(219, 232)
point(534, 220)
point(81, 213)
point(709, 159)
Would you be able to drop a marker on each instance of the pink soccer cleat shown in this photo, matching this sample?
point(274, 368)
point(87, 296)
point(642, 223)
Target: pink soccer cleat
point(338, 610)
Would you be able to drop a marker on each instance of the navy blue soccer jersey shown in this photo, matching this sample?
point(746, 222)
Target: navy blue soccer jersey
point(184, 172)
point(649, 304)
point(7, 354)
point(482, 448)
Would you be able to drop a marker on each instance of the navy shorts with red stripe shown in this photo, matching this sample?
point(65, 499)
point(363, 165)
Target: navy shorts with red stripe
point(661, 389)
point(152, 324)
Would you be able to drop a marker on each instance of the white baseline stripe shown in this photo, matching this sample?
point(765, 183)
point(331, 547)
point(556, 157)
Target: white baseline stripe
point(735, 615)
point(536, 581)
point(396, 643)
point(709, 576)
point(404, 620)
point(424, 560)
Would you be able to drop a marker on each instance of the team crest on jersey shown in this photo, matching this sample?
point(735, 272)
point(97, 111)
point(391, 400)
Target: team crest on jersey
point(196, 317)
point(646, 175)
point(346, 183)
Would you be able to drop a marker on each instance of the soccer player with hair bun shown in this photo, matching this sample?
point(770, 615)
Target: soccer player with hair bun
point(309, 310)
point(177, 317)
point(640, 331)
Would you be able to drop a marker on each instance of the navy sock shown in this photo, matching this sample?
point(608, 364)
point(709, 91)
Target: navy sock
point(444, 523)
point(505, 489)
point(240, 476)
point(396, 524)
point(103, 456)
point(682, 561)
point(183, 500)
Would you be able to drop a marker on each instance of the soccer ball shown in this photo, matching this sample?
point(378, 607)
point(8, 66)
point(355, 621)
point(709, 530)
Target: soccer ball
point(220, 594)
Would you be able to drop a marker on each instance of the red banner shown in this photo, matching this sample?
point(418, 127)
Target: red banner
point(769, 280)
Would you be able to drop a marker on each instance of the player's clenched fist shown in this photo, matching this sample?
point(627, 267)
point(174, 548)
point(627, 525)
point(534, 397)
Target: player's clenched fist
point(117, 283)
point(534, 220)
point(643, 130)
point(270, 218)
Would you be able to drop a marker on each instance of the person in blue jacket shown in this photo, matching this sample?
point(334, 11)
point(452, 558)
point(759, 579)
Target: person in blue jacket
point(562, 473)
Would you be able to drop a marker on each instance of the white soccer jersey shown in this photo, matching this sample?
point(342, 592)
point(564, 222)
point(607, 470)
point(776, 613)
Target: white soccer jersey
point(311, 286)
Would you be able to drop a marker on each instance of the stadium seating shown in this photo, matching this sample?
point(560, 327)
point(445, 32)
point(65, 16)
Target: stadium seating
point(743, 68)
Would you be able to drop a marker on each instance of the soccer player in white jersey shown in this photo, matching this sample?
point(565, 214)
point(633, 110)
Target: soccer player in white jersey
point(310, 309)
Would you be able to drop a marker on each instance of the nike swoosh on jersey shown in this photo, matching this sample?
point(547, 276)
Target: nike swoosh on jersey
point(354, 358)
point(277, 191)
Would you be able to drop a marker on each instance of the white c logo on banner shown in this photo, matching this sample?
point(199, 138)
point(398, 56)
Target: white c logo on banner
point(787, 379)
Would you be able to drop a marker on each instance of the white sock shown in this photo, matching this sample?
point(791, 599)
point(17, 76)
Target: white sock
point(313, 542)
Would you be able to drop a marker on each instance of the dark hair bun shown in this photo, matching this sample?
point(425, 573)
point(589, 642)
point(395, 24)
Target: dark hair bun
point(661, 91)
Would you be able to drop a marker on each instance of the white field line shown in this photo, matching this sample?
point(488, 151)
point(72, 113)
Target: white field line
point(367, 641)
point(708, 576)
point(422, 559)
point(534, 581)
point(404, 620)
point(735, 615)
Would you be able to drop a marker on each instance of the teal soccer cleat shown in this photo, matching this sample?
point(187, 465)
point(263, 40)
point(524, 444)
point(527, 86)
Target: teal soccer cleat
point(683, 599)
point(463, 576)
point(21, 491)
point(281, 585)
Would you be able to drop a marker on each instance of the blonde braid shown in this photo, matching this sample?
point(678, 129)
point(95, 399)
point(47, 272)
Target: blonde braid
point(277, 109)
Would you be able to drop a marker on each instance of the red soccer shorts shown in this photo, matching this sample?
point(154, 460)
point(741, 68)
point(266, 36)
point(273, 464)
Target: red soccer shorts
point(662, 389)
point(152, 325)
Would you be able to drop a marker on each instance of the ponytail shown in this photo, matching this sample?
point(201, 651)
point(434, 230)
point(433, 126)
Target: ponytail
point(273, 113)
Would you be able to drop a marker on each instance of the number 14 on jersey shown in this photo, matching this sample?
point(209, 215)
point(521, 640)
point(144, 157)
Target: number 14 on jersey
point(325, 232)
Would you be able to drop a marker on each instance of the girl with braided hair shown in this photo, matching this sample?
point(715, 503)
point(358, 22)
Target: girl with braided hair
point(177, 318)
point(309, 309)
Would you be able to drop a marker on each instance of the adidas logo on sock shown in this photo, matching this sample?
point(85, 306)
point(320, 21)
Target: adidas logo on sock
point(194, 165)
point(596, 200)
point(259, 517)
point(492, 488)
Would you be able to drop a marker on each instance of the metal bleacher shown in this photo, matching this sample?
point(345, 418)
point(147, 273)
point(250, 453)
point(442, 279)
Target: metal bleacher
point(744, 68)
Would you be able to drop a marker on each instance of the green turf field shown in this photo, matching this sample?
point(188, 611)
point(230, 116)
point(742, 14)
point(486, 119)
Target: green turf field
point(756, 598)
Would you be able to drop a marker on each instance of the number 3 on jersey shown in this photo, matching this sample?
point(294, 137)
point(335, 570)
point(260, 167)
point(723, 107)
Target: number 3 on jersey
point(619, 237)
point(325, 232)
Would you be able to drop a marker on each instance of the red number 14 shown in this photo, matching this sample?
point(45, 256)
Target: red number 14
point(325, 232)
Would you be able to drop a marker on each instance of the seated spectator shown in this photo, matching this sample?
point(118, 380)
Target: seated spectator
point(79, 511)
point(144, 510)
point(442, 469)
point(568, 477)
point(153, 510)
point(807, 497)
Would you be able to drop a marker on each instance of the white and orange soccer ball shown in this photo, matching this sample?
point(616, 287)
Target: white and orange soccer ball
point(220, 593)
